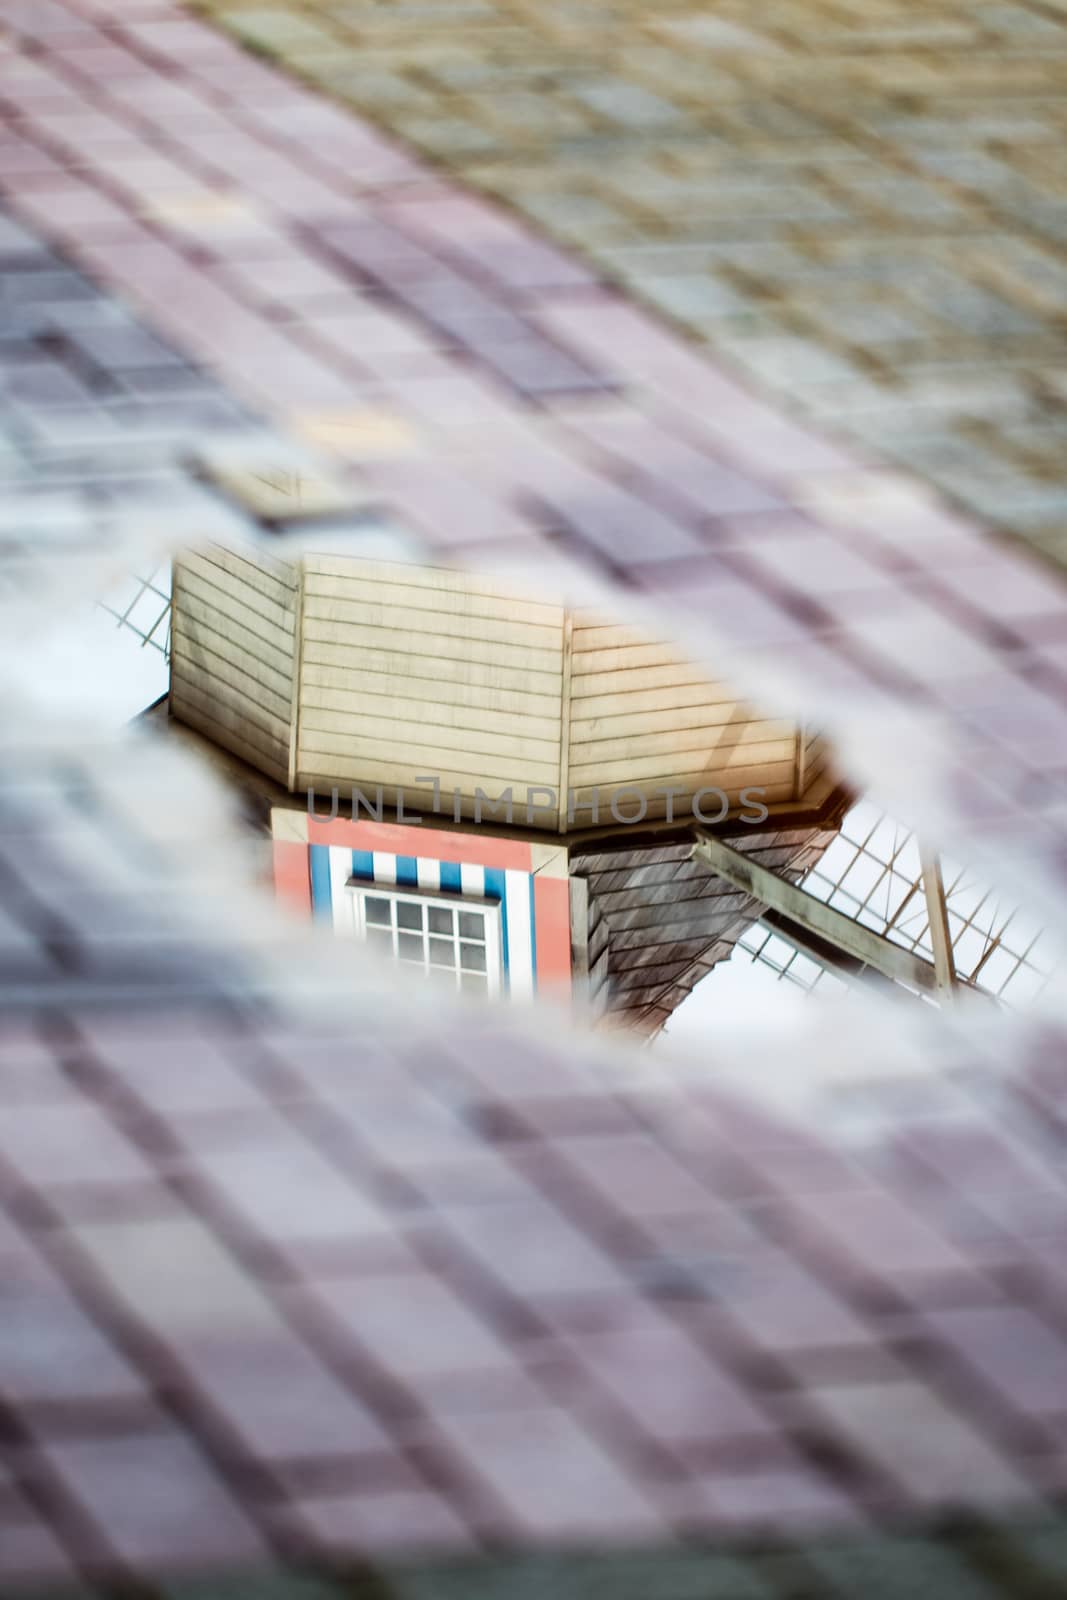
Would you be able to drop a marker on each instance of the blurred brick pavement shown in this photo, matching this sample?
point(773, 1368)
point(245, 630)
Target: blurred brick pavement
point(421, 1294)
point(861, 205)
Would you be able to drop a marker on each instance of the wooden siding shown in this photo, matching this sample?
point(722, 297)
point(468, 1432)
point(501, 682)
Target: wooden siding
point(406, 671)
point(232, 649)
point(816, 761)
point(642, 715)
point(421, 670)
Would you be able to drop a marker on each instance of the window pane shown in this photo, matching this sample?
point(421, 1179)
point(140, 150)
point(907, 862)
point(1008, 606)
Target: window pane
point(471, 925)
point(377, 910)
point(442, 952)
point(474, 982)
point(472, 957)
point(409, 947)
point(408, 915)
point(440, 919)
point(381, 939)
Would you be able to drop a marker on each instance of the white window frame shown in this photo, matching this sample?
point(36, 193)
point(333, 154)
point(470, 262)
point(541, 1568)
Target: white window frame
point(360, 890)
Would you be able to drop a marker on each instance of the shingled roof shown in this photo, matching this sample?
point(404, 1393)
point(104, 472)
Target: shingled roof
point(659, 921)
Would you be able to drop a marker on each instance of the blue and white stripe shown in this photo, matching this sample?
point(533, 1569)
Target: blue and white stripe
point(333, 865)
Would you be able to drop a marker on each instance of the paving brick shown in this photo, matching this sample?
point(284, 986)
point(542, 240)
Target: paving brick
point(50, 1351)
point(634, 1176)
point(148, 1266)
point(287, 1191)
point(280, 1403)
point(414, 1325)
point(1013, 1351)
point(404, 1521)
point(552, 1480)
point(530, 1249)
point(876, 1234)
point(63, 1146)
point(920, 1443)
point(674, 1391)
point(31, 1555)
point(145, 1493)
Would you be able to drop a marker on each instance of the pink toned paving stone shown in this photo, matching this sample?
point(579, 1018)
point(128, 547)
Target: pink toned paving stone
point(554, 1484)
point(932, 1454)
point(388, 1522)
point(52, 1356)
point(413, 1325)
point(157, 1501)
point(633, 1175)
point(284, 1190)
point(280, 1405)
point(873, 1236)
point(65, 1147)
point(1014, 1352)
point(30, 1553)
point(673, 1391)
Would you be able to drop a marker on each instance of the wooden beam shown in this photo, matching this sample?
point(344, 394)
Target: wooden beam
point(815, 917)
point(937, 916)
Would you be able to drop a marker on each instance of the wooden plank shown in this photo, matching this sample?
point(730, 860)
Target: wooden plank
point(199, 623)
point(293, 751)
point(409, 697)
point(636, 708)
point(421, 647)
point(222, 613)
point(800, 757)
point(937, 917)
point(278, 581)
point(615, 636)
point(350, 757)
point(243, 744)
point(368, 614)
point(344, 584)
point(217, 698)
point(201, 577)
point(640, 679)
point(445, 579)
point(391, 732)
point(190, 635)
point(399, 667)
point(695, 714)
point(698, 742)
point(564, 742)
point(253, 550)
point(630, 658)
point(402, 713)
point(197, 664)
point(773, 755)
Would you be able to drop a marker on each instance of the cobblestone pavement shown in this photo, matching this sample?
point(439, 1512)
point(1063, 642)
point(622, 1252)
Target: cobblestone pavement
point(417, 1298)
point(651, 1312)
point(860, 204)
